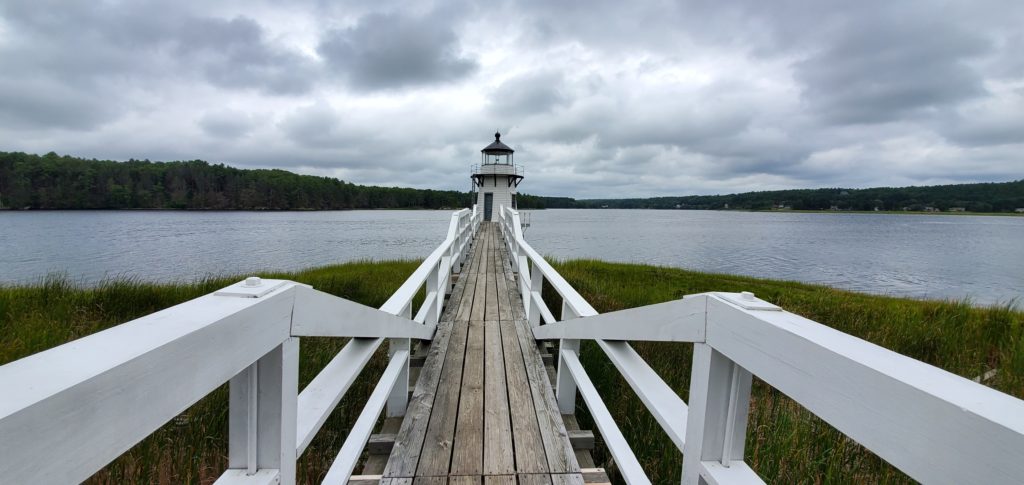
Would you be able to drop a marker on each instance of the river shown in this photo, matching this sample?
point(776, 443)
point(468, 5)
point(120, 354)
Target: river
point(921, 256)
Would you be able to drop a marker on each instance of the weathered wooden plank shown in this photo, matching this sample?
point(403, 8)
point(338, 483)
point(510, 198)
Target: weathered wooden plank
point(561, 458)
point(465, 480)
point(437, 445)
point(502, 281)
point(498, 458)
point(480, 291)
point(470, 278)
point(459, 293)
point(467, 452)
point(429, 481)
point(494, 271)
point(595, 476)
point(500, 480)
point(409, 442)
point(534, 479)
point(515, 300)
point(566, 479)
point(528, 445)
point(396, 481)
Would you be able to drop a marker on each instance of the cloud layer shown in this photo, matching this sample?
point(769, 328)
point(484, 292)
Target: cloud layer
point(600, 99)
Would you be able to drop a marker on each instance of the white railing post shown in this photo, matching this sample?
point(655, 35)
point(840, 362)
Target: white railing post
point(565, 393)
point(716, 426)
point(433, 286)
point(262, 413)
point(398, 399)
point(533, 305)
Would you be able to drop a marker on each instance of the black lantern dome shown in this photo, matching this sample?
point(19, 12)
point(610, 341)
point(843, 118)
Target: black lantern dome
point(497, 152)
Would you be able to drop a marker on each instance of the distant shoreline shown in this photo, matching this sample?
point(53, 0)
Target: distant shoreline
point(766, 211)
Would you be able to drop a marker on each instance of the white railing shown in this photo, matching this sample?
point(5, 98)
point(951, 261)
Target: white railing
point(68, 411)
point(931, 424)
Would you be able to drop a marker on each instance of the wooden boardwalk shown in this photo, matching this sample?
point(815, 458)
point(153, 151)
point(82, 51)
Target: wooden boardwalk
point(483, 411)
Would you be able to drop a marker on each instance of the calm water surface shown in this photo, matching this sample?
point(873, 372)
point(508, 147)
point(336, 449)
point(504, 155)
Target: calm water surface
point(919, 256)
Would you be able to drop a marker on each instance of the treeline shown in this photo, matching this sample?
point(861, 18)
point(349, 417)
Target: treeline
point(52, 181)
point(983, 197)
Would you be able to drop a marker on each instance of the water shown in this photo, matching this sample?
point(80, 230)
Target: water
point(918, 256)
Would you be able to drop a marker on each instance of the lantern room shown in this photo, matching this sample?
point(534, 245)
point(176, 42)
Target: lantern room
point(496, 179)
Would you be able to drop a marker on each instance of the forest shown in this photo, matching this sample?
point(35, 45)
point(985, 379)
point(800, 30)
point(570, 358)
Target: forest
point(980, 197)
point(54, 181)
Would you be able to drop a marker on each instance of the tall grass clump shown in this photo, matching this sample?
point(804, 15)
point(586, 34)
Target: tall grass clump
point(193, 447)
point(786, 443)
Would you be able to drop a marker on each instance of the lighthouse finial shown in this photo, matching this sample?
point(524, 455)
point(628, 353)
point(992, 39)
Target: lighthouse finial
point(497, 135)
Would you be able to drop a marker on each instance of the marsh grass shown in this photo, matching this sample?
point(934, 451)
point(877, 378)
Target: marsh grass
point(193, 447)
point(785, 444)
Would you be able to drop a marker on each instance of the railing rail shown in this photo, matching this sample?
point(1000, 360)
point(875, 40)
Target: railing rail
point(68, 411)
point(931, 424)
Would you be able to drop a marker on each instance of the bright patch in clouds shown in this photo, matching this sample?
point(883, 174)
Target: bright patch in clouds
point(600, 99)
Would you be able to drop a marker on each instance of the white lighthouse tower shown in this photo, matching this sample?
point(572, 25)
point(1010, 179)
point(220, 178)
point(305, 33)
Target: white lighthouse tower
point(496, 178)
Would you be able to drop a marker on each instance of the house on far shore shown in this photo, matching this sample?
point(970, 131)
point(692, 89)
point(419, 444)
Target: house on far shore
point(930, 209)
point(1019, 210)
point(957, 209)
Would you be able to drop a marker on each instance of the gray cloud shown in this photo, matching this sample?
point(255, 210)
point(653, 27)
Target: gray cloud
point(387, 51)
point(530, 94)
point(892, 70)
point(226, 123)
point(600, 99)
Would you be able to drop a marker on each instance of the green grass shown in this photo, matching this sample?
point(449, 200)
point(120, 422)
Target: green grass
point(785, 443)
point(192, 448)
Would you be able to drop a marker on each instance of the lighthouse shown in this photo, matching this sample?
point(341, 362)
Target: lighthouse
point(496, 178)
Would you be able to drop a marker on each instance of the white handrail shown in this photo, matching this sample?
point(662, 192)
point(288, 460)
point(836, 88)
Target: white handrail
point(933, 425)
point(72, 401)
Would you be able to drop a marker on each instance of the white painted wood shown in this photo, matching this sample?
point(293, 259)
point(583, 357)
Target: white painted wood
point(628, 465)
point(568, 293)
point(411, 286)
point(351, 450)
point(252, 288)
point(422, 315)
point(667, 407)
point(90, 400)
point(674, 321)
point(322, 395)
point(714, 473)
point(565, 385)
point(398, 401)
point(747, 301)
point(718, 410)
point(262, 414)
point(240, 477)
point(545, 314)
point(536, 301)
point(319, 314)
point(935, 426)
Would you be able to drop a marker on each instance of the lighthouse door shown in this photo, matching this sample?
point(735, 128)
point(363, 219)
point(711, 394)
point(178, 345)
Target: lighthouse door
point(488, 204)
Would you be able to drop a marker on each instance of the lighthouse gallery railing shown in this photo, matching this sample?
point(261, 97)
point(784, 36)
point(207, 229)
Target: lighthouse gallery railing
point(933, 425)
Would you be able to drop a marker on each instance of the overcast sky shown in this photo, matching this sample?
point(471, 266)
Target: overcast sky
point(599, 98)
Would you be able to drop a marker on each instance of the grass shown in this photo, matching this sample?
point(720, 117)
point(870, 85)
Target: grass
point(193, 447)
point(786, 444)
